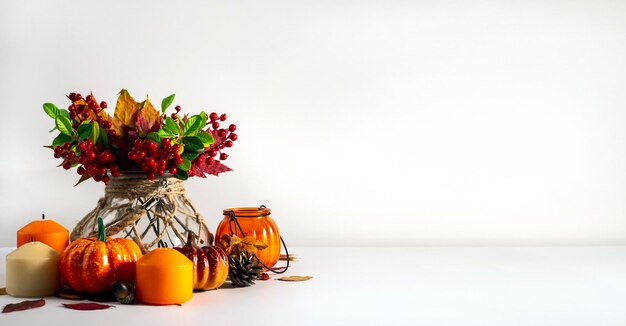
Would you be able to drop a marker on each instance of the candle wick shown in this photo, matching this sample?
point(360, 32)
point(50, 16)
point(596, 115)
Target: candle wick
point(43, 216)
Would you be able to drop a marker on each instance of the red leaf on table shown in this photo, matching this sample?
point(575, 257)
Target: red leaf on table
point(28, 304)
point(87, 306)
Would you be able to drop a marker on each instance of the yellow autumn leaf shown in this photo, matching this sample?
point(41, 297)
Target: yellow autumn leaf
point(234, 244)
point(252, 245)
point(126, 110)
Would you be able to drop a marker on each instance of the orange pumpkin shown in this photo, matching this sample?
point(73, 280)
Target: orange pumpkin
point(93, 265)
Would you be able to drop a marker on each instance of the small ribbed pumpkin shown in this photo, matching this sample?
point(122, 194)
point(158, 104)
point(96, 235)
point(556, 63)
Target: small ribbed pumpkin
point(92, 265)
point(210, 264)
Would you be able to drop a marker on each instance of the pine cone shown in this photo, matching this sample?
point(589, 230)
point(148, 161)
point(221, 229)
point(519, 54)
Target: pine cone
point(244, 269)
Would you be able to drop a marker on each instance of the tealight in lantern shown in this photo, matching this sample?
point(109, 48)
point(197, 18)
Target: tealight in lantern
point(47, 231)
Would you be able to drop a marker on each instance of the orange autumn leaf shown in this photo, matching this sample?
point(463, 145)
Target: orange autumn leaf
point(147, 117)
point(126, 110)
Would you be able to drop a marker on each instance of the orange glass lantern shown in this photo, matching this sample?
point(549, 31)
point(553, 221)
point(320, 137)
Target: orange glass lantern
point(256, 222)
point(47, 231)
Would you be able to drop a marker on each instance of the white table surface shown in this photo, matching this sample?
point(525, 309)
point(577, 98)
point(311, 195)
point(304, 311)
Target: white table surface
point(395, 286)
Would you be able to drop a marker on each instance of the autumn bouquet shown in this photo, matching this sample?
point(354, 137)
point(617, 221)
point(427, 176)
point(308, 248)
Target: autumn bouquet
point(138, 138)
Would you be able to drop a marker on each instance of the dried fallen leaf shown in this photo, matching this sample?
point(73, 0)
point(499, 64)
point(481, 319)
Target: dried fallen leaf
point(70, 296)
point(3, 291)
point(292, 257)
point(28, 304)
point(87, 306)
point(295, 278)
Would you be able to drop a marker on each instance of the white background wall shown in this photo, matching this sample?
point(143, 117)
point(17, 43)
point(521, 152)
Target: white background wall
point(361, 122)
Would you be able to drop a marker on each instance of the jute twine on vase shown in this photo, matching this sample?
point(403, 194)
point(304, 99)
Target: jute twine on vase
point(151, 212)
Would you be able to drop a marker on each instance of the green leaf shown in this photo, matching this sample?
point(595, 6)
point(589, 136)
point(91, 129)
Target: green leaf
point(51, 110)
point(193, 143)
point(193, 125)
point(172, 126)
point(190, 155)
point(182, 175)
point(164, 133)
point(167, 102)
point(95, 131)
point(61, 139)
point(65, 113)
point(85, 130)
point(63, 124)
point(103, 139)
point(185, 165)
point(154, 137)
point(206, 138)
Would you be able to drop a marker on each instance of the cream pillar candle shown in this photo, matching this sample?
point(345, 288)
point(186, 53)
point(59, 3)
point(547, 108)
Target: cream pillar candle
point(32, 271)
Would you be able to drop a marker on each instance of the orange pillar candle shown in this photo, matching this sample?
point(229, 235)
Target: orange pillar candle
point(47, 231)
point(164, 276)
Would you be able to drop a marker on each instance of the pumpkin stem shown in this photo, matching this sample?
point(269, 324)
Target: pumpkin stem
point(102, 236)
point(191, 239)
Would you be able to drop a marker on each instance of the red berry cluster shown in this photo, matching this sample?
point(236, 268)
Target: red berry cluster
point(88, 109)
point(224, 138)
point(94, 160)
point(226, 135)
point(155, 160)
point(66, 153)
point(175, 115)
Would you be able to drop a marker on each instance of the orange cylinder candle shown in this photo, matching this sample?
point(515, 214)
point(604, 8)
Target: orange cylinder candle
point(47, 231)
point(256, 222)
point(164, 276)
